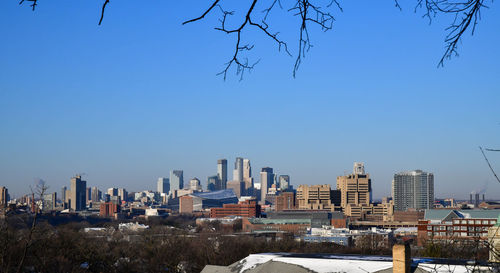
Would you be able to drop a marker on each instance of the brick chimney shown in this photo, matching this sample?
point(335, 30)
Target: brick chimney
point(401, 260)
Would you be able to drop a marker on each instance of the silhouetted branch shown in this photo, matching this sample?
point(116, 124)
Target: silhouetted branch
point(489, 165)
point(102, 12)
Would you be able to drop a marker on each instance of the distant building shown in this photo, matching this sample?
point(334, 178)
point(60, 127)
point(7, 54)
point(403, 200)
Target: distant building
point(237, 186)
point(96, 194)
point(163, 185)
point(123, 194)
point(247, 177)
point(186, 204)
point(49, 202)
point(248, 208)
point(4, 196)
point(266, 180)
point(238, 170)
point(221, 174)
point(78, 189)
point(63, 194)
point(285, 201)
point(109, 209)
point(88, 195)
point(294, 226)
point(113, 192)
point(176, 180)
point(314, 197)
point(284, 182)
point(414, 189)
point(212, 182)
point(195, 184)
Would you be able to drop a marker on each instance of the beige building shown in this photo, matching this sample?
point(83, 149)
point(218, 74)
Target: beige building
point(355, 194)
point(314, 197)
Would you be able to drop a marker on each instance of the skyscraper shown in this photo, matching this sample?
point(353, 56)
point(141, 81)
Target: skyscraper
point(123, 194)
point(413, 189)
point(247, 177)
point(78, 187)
point(88, 195)
point(238, 170)
point(4, 196)
point(176, 180)
point(163, 185)
point(284, 182)
point(63, 194)
point(95, 195)
point(113, 192)
point(222, 173)
point(212, 182)
point(266, 180)
point(355, 188)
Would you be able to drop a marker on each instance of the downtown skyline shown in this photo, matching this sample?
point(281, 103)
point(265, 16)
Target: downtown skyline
point(125, 104)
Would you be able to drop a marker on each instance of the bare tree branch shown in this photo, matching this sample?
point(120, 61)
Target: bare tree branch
point(102, 12)
point(489, 165)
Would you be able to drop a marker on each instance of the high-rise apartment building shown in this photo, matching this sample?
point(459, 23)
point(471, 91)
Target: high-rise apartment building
point(222, 173)
point(77, 196)
point(176, 180)
point(163, 185)
point(413, 189)
point(212, 182)
point(4, 196)
point(266, 180)
point(284, 182)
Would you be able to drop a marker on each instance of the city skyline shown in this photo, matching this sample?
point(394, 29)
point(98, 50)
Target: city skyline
point(125, 104)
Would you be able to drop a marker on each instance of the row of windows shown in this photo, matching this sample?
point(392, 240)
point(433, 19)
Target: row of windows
point(461, 234)
point(474, 222)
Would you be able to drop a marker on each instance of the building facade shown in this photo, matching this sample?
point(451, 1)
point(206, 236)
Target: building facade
point(284, 182)
point(413, 189)
point(222, 174)
point(266, 180)
point(78, 193)
point(176, 180)
point(163, 185)
point(248, 208)
point(314, 197)
point(4, 196)
point(212, 183)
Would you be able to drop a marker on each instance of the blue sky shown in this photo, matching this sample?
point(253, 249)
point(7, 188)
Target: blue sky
point(128, 101)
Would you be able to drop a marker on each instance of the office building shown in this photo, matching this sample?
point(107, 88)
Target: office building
point(63, 194)
point(195, 184)
point(113, 192)
point(109, 209)
point(315, 197)
point(285, 201)
point(77, 196)
point(413, 189)
point(238, 170)
point(355, 188)
point(88, 195)
point(186, 205)
point(222, 174)
point(49, 202)
point(95, 194)
point(266, 180)
point(4, 196)
point(247, 177)
point(284, 182)
point(212, 182)
point(123, 194)
point(176, 180)
point(163, 185)
point(237, 186)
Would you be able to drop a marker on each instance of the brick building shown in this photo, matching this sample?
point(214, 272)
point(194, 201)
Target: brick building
point(109, 209)
point(456, 225)
point(186, 204)
point(248, 208)
point(285, 201)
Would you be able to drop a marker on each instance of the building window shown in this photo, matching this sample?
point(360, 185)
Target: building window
point(471, 222)
point(478, 222)
point(492, 222)
point(464, 222)
point(429, 234)
point(429, 227)
point(463, 228)
point(485, 222)
point(463, 234)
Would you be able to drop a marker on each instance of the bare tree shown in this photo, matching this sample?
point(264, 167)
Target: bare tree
point(465, 15)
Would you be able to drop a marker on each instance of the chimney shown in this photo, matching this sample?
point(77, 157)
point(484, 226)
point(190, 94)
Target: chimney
point(401, 260)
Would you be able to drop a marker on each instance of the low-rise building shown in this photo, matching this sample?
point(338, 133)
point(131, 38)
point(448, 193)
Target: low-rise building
point(249, 208)
point(294, 226)
point(456, 225)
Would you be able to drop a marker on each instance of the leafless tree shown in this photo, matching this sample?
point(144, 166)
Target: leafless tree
point(464, 14)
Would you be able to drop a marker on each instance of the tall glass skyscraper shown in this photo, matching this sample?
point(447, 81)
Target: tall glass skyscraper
point(238, 170)
point(266, 180)
point(413, 189)
point(222, 173)
point(176, 180)
point(163, 185)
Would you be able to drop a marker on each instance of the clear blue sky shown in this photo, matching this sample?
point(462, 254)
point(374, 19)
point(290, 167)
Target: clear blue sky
point(130, 100)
